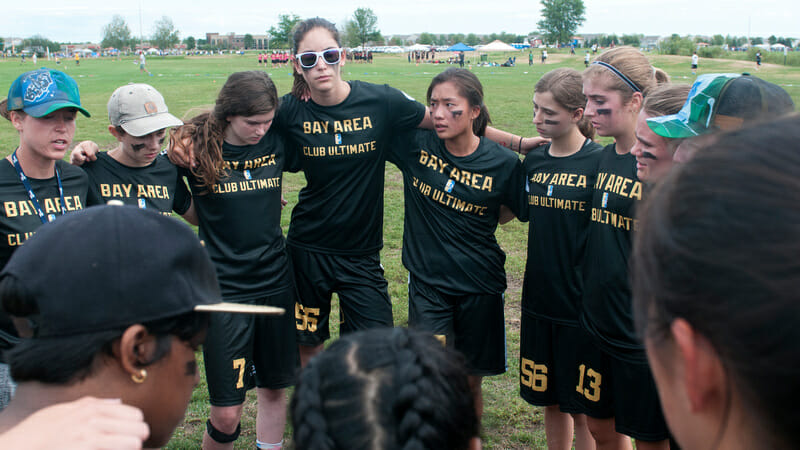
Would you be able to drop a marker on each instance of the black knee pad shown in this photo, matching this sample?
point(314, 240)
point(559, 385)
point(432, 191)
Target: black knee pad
point(219, 436)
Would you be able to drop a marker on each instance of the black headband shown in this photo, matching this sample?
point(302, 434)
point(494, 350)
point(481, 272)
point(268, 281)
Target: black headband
point(619, 74)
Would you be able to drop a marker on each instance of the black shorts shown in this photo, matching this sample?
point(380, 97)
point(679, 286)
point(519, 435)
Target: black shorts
point(472, 324)
point(243, 351)
point(547, 363)
point(610, 387)
point(358, 281)
point(694, 66)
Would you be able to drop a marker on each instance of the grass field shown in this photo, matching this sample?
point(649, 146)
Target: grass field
point(193, 82)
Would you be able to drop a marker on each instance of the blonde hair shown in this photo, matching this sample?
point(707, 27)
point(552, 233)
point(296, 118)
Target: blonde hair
point(629, 62)
point(666, 99)
point(565, 85)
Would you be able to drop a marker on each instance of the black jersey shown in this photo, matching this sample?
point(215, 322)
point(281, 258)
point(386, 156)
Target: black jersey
point(606, 311)
point(240, 220)
point(156, 186)
point(452, 205)
point(342, 151)
point(20, 220)
point(558, 194)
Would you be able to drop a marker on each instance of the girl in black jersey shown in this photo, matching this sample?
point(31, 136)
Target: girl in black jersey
point(614, 387)
point(36, 186)
point(455, 183)
point(236, 187)
point(715, 276)
point(654, 153)
point(558, 193)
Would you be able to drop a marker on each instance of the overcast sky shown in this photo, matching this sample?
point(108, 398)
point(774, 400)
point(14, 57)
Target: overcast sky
point(64, 21)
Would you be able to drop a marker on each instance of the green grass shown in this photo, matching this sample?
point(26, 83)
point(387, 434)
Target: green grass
point(191, 82)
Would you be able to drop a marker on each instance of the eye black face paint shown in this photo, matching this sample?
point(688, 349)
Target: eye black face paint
point(137, 147)
point(191, 368)
point(649, 155)
point(603, 112)
point(551, 122)
point(456, 113)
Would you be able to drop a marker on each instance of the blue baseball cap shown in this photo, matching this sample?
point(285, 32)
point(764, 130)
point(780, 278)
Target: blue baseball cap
point(40, 92)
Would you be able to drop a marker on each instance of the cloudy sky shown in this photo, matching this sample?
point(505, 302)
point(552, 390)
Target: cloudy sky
point(82, 21)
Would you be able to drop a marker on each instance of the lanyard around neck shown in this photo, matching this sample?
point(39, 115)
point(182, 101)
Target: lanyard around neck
point(42, 216)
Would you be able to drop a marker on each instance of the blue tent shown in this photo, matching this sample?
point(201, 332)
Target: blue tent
point(460, 47)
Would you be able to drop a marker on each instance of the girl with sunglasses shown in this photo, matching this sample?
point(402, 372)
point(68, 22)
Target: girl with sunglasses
point(343, 134)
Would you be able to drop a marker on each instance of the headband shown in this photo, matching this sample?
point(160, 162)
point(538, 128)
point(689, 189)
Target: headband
point(619, 74)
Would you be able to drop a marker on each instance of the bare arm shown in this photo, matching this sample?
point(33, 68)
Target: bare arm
point(191, 215)
point(516, 143)
point(505, 215)
point(83, 152)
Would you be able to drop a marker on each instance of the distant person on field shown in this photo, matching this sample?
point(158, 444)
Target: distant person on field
point(530, 58)
point(77, 59)
point(586, 59)
point(720, 101)
point(758, 60)
point(695, 59)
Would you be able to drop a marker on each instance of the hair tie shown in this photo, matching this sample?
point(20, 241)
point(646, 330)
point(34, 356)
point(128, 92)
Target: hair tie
point(619, 74)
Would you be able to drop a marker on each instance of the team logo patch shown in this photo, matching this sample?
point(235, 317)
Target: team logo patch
point(142, 203)
point(448, 187)
point(150, 108)
point(51, 217)
point(38, 87)
point(247, 175)
point(605, 199)
point(338, 138)
point(550, 190)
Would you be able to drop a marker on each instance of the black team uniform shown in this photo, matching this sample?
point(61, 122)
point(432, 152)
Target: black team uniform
point(157, 186)
point(457, 278)
point(613, 377)
point(336, 230)
point(558, 195)
point(240, 227)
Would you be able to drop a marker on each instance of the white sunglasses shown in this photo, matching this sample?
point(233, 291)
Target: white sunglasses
point(309, 59)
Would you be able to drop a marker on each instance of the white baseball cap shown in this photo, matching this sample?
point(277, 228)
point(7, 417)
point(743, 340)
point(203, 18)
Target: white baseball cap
point(140, 110)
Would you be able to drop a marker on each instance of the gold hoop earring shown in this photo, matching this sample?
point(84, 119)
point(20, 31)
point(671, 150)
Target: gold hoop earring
point(140, 377)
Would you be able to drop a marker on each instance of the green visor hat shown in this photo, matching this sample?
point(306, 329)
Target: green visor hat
point(696, 117)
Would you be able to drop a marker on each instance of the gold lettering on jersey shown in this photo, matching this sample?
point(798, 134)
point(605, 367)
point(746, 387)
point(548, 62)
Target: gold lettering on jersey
point(473, 180)
point(115, 190)
point(557, 203)
point(449, 200)
point(51, 205)
point(559, 179)
point(614, 219)
point(266, 160)
point(247, 185)
point(339, 126)
point(341, 150)
point(622, 186)
point(432, 161)
point(16, 239)
point(152, 191)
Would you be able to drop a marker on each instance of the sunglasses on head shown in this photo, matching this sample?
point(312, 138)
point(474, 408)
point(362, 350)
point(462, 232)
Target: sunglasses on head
point(309, 59)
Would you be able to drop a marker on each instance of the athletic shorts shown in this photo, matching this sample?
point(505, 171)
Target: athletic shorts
point(472, 324)
point(547, 363)
point(694, 66)
point(610, 387)
point(358, 281)
point(243, 351)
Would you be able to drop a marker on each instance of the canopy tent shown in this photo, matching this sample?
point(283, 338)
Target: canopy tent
point(419, 48)
point(460, 47)
point(497, 46)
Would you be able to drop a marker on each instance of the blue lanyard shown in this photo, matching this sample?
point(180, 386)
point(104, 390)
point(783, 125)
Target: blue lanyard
point(42, 216)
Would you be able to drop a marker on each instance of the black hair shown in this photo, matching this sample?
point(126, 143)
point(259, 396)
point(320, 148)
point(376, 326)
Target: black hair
point(70, 359)
point(299, 86)
point(469, 87)
point(384, 388)
point(719, 248)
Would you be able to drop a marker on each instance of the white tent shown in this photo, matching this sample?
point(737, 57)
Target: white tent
point(497, 46)
point(777, 47)
point(418, 48)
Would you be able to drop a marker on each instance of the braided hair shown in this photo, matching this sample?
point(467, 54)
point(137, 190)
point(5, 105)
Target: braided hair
point(384, 389)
